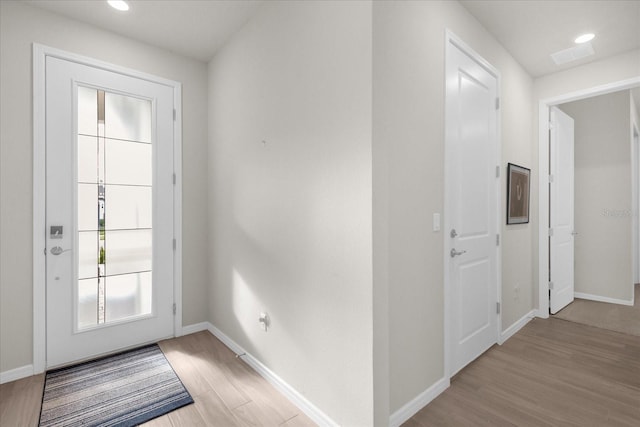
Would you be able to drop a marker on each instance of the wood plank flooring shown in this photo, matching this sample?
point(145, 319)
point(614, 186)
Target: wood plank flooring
point(551, 373)
point(614, 317)
point(226, 391)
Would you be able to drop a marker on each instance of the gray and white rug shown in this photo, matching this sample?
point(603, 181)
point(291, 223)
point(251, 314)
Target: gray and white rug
point(125, 389)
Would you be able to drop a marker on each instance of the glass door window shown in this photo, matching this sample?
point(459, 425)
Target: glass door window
point(115, 205)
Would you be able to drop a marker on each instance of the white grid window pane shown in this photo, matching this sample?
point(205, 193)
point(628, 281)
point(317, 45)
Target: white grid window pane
point(87, 254)
point(128, 163)
point(127, 118)
point(88, 159)
point(129, 207)
point(87, 207)
point(127, 295)
point(87, 111)
point(87, 303)
point(128, 251)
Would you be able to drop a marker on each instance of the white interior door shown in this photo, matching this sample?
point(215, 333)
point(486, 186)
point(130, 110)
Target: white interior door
point(635, 153)
point(472, 218)
point(561, 220)
point(109, 211)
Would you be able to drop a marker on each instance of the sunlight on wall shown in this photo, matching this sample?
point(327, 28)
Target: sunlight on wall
point(245, 305)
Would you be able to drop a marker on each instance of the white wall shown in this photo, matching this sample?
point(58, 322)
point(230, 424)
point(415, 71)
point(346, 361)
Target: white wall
point(408, 144)
point(613, 69)
point(603, 261)
point(20, 26)
point(290, 197)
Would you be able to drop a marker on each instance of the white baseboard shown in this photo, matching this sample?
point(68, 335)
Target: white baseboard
point(519, 324)
point(423, 399)
point(16, 374)
point(196, 327)
point(294, 396)
point(420, 401)
point(602, 299)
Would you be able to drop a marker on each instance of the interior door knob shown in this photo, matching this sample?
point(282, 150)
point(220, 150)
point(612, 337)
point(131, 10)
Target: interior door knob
point(455, 253)
point(57, 250)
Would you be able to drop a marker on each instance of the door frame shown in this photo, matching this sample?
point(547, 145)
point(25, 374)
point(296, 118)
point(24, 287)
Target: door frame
point(40, 52)
point(452, 39)
point(543, 176)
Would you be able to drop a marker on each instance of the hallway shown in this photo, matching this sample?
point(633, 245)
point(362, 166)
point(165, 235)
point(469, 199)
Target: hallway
point(551, 373)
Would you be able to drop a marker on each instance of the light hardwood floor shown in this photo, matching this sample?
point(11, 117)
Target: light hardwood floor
point(551, 373)
point(227, 392)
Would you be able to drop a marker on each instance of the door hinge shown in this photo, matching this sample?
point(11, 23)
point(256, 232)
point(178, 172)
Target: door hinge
point(497, 103)
point(497, 308)
point(550, 286)
point(174, 244)
point(550, 232)
point(497, 240)
point(174, 308)
point(174, 179)
point(174, 114)
point(497, 171)
point(550, 179)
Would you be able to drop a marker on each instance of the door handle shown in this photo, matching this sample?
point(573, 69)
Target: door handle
point(57, 250)
point(574, 233)
point(455, 253)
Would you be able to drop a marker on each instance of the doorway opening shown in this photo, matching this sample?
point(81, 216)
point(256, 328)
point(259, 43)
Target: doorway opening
point(543, 183)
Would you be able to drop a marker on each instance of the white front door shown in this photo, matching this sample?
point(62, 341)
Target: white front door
point(109, 211)
point(472, 206)
point(561, 223)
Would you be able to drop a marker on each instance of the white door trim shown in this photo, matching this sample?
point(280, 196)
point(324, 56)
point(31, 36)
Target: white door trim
point(40, 52)
point(543, 177)
point(451, 38)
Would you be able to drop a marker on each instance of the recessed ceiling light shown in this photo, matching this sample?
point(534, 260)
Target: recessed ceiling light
point(584, 38)
point(119, 5)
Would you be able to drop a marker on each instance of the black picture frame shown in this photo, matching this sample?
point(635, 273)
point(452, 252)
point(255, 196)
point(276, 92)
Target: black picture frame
point(518, 191)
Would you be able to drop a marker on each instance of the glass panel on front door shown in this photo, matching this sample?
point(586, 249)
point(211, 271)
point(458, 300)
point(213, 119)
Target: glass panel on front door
point(114, 214)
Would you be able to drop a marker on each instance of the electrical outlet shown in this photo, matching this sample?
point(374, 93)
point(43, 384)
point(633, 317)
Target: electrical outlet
point(264, 321)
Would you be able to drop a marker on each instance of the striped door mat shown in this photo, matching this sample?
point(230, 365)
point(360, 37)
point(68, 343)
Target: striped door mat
point(125, 389)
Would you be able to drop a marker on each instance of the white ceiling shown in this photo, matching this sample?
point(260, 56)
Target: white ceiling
point(192, 28)
point(531, 30)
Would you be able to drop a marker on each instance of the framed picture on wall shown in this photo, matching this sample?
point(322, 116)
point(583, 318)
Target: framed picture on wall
point(517, 194)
